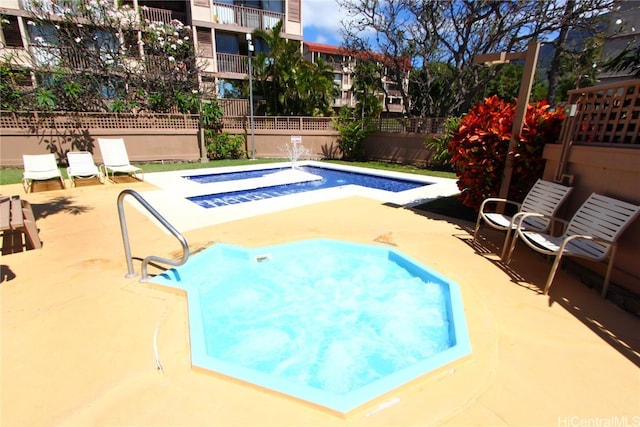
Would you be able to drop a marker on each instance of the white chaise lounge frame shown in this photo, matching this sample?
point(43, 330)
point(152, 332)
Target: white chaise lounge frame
point(39, 167)
point(544, 197)
point(592, 234)
point(116, 159)
point(82, 166)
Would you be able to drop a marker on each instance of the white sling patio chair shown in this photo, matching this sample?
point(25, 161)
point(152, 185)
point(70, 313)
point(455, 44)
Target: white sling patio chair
point(591, 234)
point(544, 197)
point(39, 167)
point(116, 159)
point(82, 166)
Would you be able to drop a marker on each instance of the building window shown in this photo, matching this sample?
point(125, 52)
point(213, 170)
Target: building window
point(227, 43)
point(11, 32)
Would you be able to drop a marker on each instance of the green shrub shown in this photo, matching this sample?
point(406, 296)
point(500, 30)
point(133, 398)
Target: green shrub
point(441, 158)
point(479, 147)
point(224, 145)
point(352, 132)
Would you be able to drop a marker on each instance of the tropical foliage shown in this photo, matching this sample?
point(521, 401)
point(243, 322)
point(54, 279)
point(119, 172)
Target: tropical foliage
point(479, 148)
point(225, 146)
point(353, 130)
point(289, 84)
point(117, 63)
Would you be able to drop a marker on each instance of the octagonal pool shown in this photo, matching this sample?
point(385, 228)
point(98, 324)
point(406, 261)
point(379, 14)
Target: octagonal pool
point(333, 323)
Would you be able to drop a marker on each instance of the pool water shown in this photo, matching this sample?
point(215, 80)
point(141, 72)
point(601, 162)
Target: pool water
point(330, 178)
point(333, 323)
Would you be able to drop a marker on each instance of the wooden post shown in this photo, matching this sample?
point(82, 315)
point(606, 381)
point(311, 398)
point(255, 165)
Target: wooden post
point(528, 76)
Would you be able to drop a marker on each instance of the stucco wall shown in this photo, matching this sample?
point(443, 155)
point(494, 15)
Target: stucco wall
point(142, 145)
point(613, 172)
point(407, 148)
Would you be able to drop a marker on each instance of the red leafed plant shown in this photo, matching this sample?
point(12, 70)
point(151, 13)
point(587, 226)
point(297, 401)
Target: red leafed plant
point(479, 147)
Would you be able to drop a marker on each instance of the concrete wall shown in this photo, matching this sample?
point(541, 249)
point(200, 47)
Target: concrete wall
point(406, 148)
point(613, 172)
point(143, 145)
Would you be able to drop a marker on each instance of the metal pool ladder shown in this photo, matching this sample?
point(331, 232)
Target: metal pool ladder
point(125, 237)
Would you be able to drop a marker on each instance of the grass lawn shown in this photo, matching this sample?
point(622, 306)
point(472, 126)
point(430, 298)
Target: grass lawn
point(448, 206)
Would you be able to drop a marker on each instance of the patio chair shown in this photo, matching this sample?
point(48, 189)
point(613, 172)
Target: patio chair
point(82, 166)
point(544, 197)
point(116, 159)
point(39, 167)
point(591, 234)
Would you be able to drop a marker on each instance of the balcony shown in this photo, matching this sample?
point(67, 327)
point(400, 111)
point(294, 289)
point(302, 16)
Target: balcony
point(247, 17)
point(232, 64)
point(154, 14)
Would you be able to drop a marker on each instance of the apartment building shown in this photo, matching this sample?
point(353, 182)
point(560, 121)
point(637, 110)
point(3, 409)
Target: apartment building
point(623, 32)
point(220, 29)
point(343, 63)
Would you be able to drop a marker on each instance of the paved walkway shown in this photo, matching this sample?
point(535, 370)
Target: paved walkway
point(77, 336)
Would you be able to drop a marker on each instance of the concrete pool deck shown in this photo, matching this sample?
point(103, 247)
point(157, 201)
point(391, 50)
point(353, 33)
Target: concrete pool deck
point(77, 336)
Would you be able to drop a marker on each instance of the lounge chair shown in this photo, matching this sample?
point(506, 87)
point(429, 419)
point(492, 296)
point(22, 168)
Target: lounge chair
point(116, 159)
point(39, 167)
point(591, 234)
point(82, 166)
point(544, 197)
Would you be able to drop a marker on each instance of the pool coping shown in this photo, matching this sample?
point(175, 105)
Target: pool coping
point(172, 203)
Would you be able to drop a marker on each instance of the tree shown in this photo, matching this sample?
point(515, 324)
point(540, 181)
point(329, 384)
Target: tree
point(289, 84)
point(367, 83)
point(627, 60)
point(95, 56)
point(454, 32)
point(586, 20)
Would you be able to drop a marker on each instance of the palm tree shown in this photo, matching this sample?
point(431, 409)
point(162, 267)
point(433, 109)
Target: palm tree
point(289, 84)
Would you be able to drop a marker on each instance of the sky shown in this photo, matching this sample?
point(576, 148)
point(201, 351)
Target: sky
point(321, 20)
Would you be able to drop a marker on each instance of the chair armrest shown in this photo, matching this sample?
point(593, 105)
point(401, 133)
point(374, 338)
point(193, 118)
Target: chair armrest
point(498, 200)
point(519, 218)
point(586, 237)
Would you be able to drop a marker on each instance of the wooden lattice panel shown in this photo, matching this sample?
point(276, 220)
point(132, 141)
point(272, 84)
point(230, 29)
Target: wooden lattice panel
point(608, 114)
point(26, 120)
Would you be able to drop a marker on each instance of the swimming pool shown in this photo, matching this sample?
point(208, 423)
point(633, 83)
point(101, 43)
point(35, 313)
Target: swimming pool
point(329, 178)
point(333, 323)
point(177, 189)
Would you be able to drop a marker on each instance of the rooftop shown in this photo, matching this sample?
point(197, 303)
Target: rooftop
point(78, 337)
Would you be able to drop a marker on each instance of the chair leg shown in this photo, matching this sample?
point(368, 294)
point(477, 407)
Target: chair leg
point(607, 276)
point(552, 273)
point(505, 245)
point(475, 232)
point(514, 239)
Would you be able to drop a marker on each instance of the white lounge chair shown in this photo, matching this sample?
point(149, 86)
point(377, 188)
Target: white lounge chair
point(116, 159)
point(82, 166)
point(544, 197)
point(39, 167)
point(591, 234)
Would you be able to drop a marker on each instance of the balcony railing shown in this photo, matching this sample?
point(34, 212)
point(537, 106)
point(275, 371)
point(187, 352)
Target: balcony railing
point(245, 16)
point(61, 56)
point(230, 63)
point(154, 14)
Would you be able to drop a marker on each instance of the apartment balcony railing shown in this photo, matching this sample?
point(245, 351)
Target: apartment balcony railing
point(231, 63)
point(245, 16)
point(234, 107)
point(61, 56)
point(154, 14)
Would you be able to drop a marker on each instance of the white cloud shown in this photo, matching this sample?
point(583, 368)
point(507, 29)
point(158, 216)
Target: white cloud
point(322, 19)
point(322, 14)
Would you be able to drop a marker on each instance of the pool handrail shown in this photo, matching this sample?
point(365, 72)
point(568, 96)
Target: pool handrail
point(125, 237)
